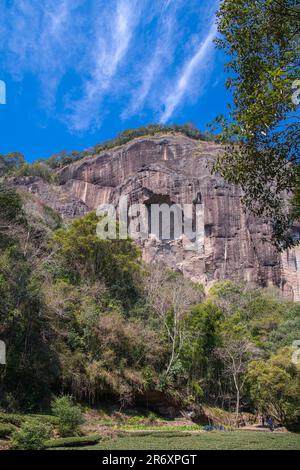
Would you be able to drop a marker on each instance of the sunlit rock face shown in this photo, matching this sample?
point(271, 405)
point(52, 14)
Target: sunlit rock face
point(177, 169)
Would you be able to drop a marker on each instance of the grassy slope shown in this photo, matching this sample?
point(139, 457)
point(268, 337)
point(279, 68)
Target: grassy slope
point(205, 441)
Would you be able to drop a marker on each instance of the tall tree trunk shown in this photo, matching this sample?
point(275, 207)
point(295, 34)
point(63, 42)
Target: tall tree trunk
point(172, 356)
point(237, 408)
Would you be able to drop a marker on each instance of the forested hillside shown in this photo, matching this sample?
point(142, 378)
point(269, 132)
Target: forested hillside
point(85, 317)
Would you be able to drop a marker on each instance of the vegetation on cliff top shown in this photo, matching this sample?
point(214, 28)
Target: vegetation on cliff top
point(14, 163)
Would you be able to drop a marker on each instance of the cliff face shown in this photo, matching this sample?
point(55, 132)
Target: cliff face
point(177, 169)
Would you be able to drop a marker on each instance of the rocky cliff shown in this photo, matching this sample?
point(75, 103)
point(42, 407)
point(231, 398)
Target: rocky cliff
point(176, 169)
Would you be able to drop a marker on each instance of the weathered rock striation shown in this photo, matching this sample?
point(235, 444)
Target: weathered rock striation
point(176, 169)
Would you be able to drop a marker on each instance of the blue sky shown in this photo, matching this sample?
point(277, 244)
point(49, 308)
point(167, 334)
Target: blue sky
point(79, 71)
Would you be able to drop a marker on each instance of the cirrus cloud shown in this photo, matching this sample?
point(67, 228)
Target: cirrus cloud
point(145, 54)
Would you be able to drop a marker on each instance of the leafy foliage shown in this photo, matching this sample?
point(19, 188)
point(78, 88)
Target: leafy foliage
point(84, 316)
point(275, 387)
point(31, 436)
point(69, 416)
point(10, 163)
point(23, 325)
point(6, 430)
point(262, 39)
point(10, 204)
point(39, 169)
point(83, 255)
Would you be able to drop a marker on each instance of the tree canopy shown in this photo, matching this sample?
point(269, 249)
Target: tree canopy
point(262, 133)
point(84, 316)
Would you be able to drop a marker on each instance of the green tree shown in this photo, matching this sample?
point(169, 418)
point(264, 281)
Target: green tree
point(11, 162)
point(69, 416)
point(82, 255)
point(10, 206)
point(235, 354)
point(31, 436)
point(171, 296)
point(24, 326)
point(202, 327)
point(249, 311)
point(262, 135)
point(275, 386)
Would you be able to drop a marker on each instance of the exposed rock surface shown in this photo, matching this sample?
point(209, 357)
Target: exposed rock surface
point(56, 197)
point(177, 169)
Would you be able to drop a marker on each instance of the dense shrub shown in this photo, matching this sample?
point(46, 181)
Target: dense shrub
point(10, 163)
point(10, 204)
point(31, 436)
point(69, 416)
point(72, 441)
point(83, 257)
point(45, 419)
point(11, 418)
point(6, 430)
point(38, 169)
point(274, 386)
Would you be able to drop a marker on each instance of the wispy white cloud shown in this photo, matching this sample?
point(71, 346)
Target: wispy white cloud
point(111, 45)
point(83, 54)
point(166, 4)
point(161, 57)
point(197, 62)
point(37, 38)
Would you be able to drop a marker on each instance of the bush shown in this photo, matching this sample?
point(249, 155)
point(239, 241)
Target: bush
point(38, 169)
point(10, 418)
point(274, 386)
point(73, 441)
point(152, 417)
point(69, 416)
point(10, 204)
point(11, 162)
point(31, 436)
point(6, 430)
point(45, 419)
